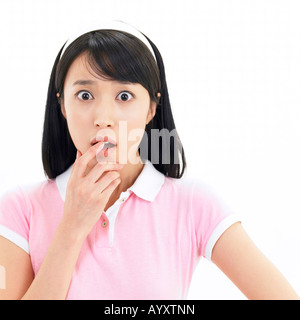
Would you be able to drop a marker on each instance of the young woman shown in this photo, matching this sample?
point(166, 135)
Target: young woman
point(115, 218)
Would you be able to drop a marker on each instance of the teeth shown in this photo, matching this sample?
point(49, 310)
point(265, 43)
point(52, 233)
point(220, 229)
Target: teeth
point(109, 145)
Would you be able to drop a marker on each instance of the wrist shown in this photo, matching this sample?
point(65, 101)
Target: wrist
point(69, 234)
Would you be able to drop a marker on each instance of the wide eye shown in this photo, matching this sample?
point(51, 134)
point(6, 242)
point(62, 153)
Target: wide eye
point(125, 96)
point(84, 95)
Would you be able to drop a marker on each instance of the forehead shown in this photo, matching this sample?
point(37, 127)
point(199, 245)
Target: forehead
point(81, 73)
point(81, 69)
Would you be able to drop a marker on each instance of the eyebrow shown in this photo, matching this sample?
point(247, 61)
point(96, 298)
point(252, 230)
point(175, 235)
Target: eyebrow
point(83, 82)
point(91, 82)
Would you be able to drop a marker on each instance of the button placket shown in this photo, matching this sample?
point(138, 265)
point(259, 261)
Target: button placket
point(102, 232)
point(105, 230)
point(104, 224)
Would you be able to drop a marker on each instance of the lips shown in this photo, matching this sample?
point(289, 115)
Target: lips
point(109, 142)
point(107, 148)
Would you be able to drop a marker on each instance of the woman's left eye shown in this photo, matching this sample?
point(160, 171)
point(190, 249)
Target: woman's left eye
point(125, 96)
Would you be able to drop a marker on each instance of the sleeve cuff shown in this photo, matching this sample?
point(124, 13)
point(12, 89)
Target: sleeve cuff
point(218, 231)
point(15, 238)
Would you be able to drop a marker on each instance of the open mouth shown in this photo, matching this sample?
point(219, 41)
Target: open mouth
point(105, 149)
point(106, 145)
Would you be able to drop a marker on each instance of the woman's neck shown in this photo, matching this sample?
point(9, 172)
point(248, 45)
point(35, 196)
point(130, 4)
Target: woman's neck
point(128, 174)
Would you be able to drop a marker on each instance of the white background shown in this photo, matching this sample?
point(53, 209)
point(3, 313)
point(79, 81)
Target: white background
point(233, 72)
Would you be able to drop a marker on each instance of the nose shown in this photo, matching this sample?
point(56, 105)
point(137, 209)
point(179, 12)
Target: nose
point(104, 114)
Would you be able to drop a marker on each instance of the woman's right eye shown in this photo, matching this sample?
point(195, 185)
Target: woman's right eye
point(84, 95)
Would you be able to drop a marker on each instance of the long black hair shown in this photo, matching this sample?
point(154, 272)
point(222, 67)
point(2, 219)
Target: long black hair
point(115, 55)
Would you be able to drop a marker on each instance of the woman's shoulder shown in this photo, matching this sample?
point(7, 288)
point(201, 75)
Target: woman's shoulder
point(210, 214)
point(194, 192)
point(38, 188)
point(22, 205)
point(28, 192)
point(188, 186)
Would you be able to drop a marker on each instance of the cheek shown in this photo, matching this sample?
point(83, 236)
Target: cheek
point(135, 135)
point(130, 133)
point(77, 115)
point(77, 125)
point(136, 117)
point(136, 125)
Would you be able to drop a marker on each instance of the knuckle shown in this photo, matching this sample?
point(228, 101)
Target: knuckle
point(92, 150)
point(99, 166)
point(80, 163)
point(113, 174)
point(89, 166)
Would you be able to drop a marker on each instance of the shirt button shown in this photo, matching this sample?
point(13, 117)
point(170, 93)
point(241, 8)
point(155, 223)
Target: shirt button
point(104, 224)
point(122, 200)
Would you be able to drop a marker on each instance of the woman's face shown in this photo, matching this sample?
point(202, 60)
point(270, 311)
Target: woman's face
point(98, 108)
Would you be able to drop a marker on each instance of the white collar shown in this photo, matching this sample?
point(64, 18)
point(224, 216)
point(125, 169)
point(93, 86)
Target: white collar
point(146, 186)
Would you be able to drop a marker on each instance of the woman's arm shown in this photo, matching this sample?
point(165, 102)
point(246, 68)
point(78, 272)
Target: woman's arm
point(86, 197)
point(238, 257)
point(18, 273)
point(54, 276)
point(53, 279)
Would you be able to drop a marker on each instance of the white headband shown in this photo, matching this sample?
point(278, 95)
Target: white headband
point(110, 24)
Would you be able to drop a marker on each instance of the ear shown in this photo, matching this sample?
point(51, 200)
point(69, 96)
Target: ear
point(151, 112)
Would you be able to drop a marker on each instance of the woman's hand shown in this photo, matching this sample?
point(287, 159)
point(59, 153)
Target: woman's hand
point(88, 191)
point(88, 194)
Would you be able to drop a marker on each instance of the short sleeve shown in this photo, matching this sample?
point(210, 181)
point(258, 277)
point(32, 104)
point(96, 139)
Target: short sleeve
point(211, 216)
point(14, 218)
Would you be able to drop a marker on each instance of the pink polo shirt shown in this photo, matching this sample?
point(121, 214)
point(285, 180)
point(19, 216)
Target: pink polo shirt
point(145, 246)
